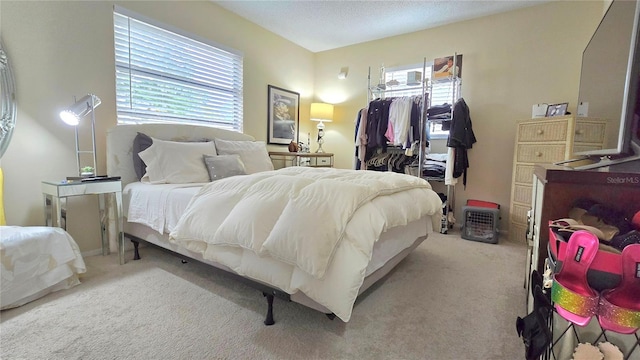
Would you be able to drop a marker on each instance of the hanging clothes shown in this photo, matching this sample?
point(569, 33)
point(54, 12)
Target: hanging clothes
point(388, 122)
point(377, 122)
point(461, 139)
point(361, 138)
point(414, 133)
point(399, 121)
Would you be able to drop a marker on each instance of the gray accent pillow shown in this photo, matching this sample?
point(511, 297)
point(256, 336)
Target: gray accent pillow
point(254, 154)
point(223, 166)
point(140, 143)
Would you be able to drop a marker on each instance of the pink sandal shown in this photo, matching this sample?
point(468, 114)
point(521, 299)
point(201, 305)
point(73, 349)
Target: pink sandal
point(620, 307)
point(574, 299)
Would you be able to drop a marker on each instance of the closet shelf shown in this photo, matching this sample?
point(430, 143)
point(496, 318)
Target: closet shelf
point(375, 88)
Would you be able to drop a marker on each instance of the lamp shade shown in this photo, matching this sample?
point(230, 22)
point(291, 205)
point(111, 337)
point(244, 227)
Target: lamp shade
point(81, 108)
point(321, 112)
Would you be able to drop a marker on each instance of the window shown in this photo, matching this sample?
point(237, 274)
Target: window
point(442, 91)
point(167, 76)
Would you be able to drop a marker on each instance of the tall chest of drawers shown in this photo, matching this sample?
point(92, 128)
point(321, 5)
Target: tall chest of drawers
point(546, 141)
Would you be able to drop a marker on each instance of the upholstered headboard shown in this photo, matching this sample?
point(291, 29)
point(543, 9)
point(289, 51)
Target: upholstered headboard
point(120, 143)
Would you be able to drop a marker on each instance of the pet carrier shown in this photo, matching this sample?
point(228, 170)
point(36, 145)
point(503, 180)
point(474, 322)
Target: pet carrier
point(480, 223)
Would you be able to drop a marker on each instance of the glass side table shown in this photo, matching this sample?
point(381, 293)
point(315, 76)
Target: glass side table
point(287, 159)
point(55, 197)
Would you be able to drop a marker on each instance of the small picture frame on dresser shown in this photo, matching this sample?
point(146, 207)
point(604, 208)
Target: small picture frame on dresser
point(557, 109)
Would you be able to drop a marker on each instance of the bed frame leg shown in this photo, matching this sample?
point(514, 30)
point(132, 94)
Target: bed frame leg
point(269, 320)
point(136, 254)
point(331, 316)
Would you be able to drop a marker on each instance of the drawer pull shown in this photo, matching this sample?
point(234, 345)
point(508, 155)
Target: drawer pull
point(538, 154)
point(579, 132)
point(540, 132)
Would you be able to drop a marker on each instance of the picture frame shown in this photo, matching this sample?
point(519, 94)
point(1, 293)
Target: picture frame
point(557, 109)
point(443, 68)
point(539, 110)
point(283, 116)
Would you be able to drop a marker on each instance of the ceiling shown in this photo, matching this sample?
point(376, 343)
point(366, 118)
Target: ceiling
point(329, 24)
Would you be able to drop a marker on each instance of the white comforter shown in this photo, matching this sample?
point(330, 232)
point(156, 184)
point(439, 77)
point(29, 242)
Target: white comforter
point(36, 260)
point(317, 225)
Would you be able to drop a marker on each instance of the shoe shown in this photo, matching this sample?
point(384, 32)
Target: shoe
point(584, 203)
point(450, 218)
point(635, 220)
point(586, 351)
point(568, 226)
point(621, 241)
point(574, 300)
point(580, 207)
point(541, 298)
point(536, 280)
point(535, 335)
point(619, 309)
point(610, 351)
point(607, 215)
point(547, 279)
point(534, 328)
point(542, 302)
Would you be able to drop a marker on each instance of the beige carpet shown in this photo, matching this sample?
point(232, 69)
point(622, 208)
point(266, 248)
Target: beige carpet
point(450, 299)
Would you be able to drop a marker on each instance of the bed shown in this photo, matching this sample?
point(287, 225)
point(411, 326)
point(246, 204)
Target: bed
point(318, 237)
point(36, 261)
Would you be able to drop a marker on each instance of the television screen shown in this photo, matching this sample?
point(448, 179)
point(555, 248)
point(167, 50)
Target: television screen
point(608, 78)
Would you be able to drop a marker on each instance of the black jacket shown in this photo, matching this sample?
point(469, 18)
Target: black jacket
point(461, 138)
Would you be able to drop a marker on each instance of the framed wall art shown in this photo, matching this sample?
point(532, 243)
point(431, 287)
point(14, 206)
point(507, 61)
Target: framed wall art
point(557, 109)
point(446, 67)
point(283, 116)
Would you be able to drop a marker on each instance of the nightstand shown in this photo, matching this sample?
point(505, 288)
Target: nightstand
point(55, 198)
point(287, 159)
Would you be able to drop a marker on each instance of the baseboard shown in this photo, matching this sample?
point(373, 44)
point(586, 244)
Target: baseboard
point(127, 246)
point(91, 252)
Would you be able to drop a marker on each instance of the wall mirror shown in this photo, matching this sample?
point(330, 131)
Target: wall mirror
point(7, 101)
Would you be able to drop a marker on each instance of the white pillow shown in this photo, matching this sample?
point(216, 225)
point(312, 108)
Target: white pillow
point(253, 154)
point(172, 162)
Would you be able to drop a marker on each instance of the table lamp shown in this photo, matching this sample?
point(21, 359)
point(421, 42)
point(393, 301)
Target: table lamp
point(72, 115)
point(321, 113)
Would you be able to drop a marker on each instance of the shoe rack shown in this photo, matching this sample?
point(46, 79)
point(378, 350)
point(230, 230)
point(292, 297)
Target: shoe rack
point(567, 336)
point(555, 190)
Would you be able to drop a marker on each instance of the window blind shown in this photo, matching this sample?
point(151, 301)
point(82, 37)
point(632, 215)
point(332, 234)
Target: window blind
point(444, 92)
point(166, 77)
